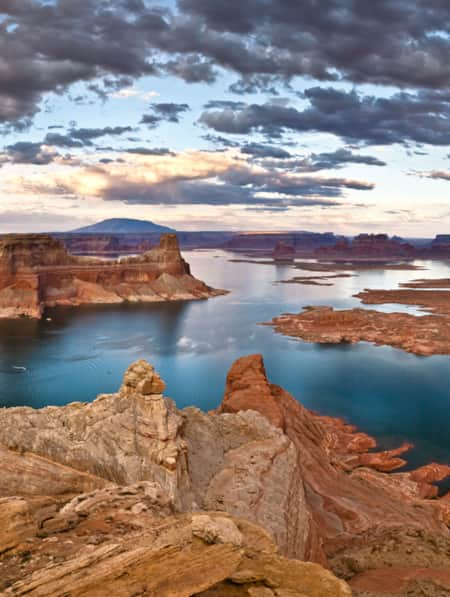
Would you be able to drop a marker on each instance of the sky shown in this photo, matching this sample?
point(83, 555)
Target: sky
point(323, 115)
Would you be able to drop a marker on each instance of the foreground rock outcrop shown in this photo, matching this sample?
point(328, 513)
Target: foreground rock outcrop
point(129, 496)
point(36, 272)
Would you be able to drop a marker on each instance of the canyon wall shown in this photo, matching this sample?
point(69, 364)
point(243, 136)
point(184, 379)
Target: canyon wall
point(36, 272)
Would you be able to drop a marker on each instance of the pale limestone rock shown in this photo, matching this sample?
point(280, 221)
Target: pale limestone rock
point(217, 530)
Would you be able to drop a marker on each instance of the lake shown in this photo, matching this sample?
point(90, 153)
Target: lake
point(84, 351)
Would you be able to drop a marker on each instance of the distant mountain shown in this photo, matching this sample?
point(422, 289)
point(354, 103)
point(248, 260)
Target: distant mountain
point(123, 226)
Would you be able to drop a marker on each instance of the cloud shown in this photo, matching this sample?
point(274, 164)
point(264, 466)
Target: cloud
point(194, 178)
point(389, 43)
point(342, 157)
point(436, 174)
point(169, 112)
point(86, 135)
point(62, 140)
point(25, 152)
point(45, 47)
point(42, 153)
point(265, 151)
point(150, 150)
point(127, 92)
point(192, 69)
point(403, 117)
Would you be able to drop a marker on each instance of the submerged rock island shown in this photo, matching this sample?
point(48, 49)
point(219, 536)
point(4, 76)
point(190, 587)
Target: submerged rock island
point(36, 271)
point(128, 495)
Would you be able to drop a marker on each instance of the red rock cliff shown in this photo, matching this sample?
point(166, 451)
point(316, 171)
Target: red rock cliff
point(36, 271)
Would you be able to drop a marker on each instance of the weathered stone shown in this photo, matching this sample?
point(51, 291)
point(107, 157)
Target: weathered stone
point(123, 469)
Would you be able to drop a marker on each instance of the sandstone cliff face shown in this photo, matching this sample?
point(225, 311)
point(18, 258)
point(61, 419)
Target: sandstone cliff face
point(121, 494)
point(37, 272)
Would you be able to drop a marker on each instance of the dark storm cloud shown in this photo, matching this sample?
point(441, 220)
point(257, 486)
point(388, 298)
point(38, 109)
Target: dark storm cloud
point(46, 47)
point(168, 112)
point(419, 118)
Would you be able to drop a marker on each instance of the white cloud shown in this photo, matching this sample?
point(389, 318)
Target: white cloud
point(130, 92)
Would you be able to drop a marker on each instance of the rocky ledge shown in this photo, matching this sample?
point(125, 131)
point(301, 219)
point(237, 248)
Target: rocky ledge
point(128, 496)
point(36, 272)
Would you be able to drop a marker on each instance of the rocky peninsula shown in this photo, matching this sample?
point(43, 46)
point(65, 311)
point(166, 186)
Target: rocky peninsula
point(36, 272)
point(128, 496)
point(423, 335)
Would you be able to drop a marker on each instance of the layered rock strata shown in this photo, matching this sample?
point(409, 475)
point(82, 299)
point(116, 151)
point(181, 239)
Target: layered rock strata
point(129, 496)
point(36, 272)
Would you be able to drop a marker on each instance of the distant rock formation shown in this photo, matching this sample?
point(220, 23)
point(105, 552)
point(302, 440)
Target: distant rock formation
point(128, 495)
point(36, 271)
point(123, 226)
point(369, 246)
point(283, 252)
point(303, 242)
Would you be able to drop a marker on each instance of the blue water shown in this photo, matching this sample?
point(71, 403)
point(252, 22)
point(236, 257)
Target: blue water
point(386, 392)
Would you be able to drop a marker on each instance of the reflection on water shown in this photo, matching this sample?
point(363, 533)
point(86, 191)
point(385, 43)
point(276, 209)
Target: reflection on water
point(82, 352)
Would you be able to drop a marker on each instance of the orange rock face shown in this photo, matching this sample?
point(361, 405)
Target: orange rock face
point(351, 499)
point(36, 272)
point(247, 388)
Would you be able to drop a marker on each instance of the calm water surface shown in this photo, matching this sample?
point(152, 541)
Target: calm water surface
point(83, 352)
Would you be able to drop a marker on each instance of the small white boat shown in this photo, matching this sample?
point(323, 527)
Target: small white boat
point(18, 368)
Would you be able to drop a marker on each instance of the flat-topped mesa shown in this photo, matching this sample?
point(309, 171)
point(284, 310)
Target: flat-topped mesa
point(36, 272)
point(22, 252)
